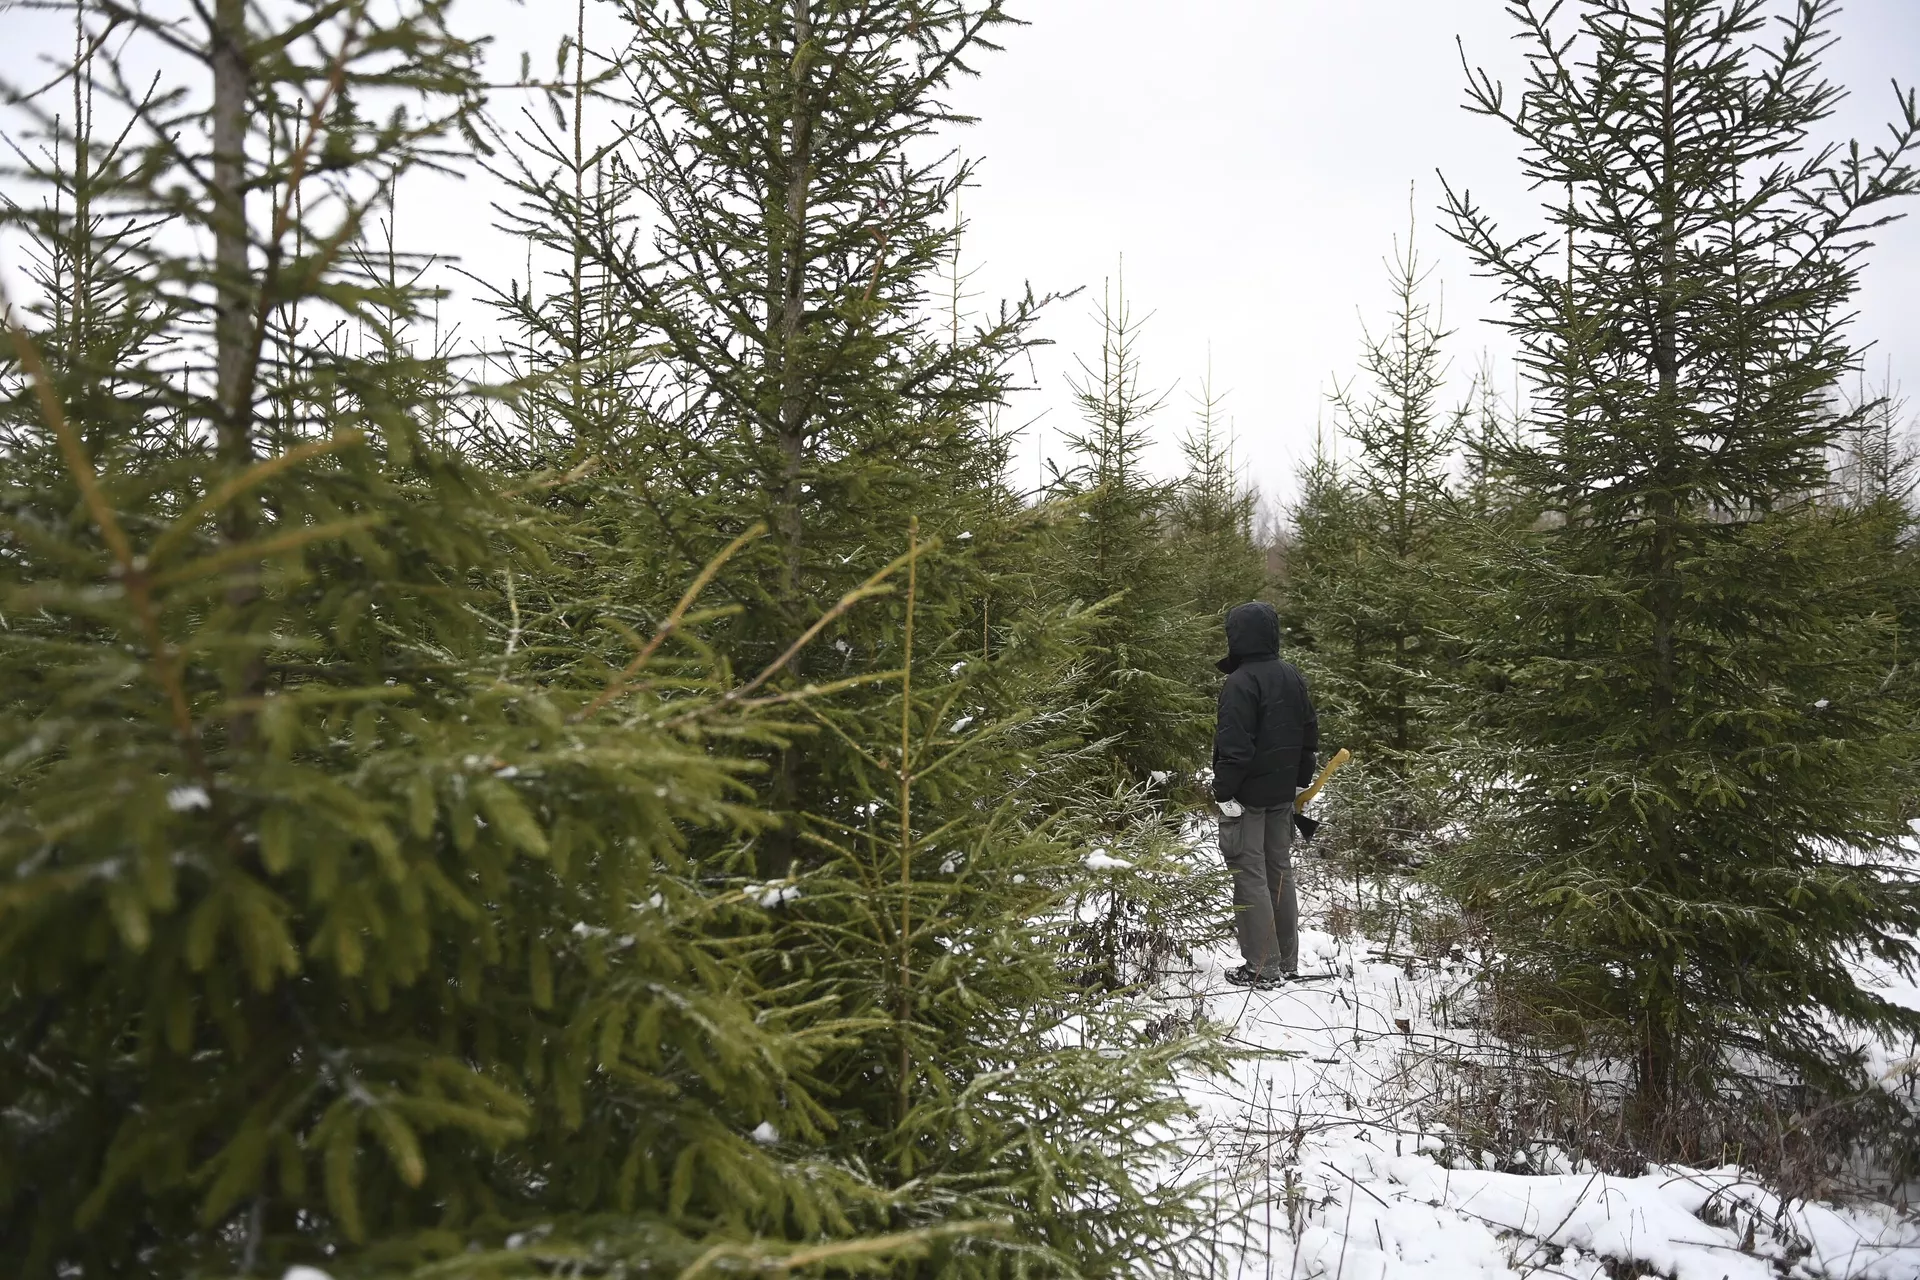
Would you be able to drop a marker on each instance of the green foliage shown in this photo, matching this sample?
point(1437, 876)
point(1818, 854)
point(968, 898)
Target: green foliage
point(1371, 591)
point(1148, 673)
point(386, 882)
point(1377, 571)
point(347, 891)
point(793, 374)
point(770, 354)
point(1322, 543)
point(1695, 775)
point(1211, 515)
point(1873, 476)
point(1148, 897)
point(994, 1087)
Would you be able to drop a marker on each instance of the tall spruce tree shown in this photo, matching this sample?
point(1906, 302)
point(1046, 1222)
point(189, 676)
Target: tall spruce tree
point(775, 353)
point(346, 916)
point(1150, 671)
point(1212, 515)
point(780, 288)
point(1374, 577)
point(1387, 601)
point(1697, 778)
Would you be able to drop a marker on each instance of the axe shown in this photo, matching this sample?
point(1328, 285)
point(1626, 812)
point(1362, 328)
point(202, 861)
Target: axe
point(1302, 823)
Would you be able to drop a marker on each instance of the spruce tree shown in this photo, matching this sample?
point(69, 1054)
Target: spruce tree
point(1212, 516)
point(1488, 495)
point(1151, 668)
point(770, 226)
point(1142, 682)
point(1874, 477)
point(1697, 780)
point(1405, 443)
point(1375, 575)
point(774, 353)
point(347, 918)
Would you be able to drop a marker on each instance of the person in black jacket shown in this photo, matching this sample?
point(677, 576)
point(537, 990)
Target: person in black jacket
point(1264, 750)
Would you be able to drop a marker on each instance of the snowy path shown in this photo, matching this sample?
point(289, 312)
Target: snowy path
point(1322, 1168)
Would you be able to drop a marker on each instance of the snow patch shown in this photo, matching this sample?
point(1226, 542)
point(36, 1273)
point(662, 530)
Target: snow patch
point(1321, 1167)
point(186, 799)
point(770, 896)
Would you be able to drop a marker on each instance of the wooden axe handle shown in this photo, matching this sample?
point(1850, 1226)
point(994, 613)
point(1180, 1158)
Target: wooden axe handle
point(1333, 765)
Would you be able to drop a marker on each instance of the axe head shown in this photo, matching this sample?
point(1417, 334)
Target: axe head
point(1305, 826)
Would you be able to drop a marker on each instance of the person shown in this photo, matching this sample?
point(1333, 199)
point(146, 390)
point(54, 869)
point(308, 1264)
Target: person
point(1264, 747)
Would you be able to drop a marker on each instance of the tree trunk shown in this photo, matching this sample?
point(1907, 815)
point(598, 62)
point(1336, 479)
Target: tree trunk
point(777, 851)
point(793, 301)
point(233, 310)
point(1654, 1075)
point(1658, 1054)
point(1664, 567)
point(231, 314)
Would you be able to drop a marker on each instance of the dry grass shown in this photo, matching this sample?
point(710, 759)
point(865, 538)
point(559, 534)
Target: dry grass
point(1514, 1085)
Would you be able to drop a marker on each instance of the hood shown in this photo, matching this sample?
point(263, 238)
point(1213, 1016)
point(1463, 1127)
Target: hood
point(1253, 631)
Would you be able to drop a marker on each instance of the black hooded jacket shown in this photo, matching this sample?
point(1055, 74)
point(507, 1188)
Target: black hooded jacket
point(1268, 735)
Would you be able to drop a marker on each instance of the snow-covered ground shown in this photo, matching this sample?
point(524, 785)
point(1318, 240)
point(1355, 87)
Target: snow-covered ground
point(1322, 1166)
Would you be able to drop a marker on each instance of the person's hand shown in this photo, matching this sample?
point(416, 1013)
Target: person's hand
point(1231, 809)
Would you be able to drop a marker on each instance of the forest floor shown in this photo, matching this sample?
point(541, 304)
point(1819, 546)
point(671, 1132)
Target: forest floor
point(1328, 1160)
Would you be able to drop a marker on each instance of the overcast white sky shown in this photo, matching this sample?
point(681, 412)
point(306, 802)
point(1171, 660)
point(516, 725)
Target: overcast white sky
point(1251, 160)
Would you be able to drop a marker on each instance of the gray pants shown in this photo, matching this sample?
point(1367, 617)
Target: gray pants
point(1258, 848)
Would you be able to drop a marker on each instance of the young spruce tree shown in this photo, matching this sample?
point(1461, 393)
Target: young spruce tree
point(1375, 574)
point(1698, 779)
point(346, 919)
point(1212, 517)
point(773, 353)
point(1149, 673)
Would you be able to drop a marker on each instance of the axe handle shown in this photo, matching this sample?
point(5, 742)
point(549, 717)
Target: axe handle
point(1333, 765)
